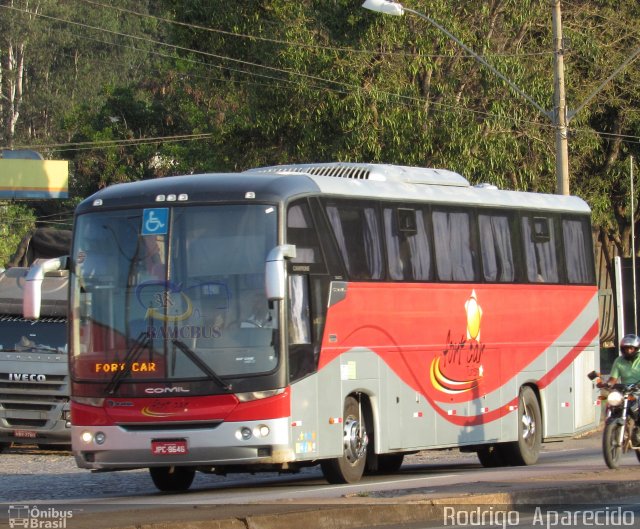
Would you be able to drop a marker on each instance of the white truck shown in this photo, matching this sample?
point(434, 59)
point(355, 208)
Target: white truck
point(34, 379)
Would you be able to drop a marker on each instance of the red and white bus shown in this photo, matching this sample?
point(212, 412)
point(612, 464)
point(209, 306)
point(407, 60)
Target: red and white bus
point(335, 314)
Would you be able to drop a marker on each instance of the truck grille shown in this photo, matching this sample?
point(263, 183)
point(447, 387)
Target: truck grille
point(34, 390)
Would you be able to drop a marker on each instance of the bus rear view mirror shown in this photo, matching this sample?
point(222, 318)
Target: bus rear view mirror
point(275, 271)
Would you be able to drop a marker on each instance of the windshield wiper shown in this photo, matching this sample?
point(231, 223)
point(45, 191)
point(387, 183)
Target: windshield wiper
point(139, 345)
point(201, 364)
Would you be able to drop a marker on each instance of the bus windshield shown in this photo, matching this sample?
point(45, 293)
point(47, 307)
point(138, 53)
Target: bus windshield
point(173, 294)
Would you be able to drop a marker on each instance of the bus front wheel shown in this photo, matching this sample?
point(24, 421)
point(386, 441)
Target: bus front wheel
point(526, 449)
point(172, 479)
point(350, 466)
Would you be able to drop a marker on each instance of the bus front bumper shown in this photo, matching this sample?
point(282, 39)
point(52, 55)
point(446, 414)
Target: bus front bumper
point(248, 443)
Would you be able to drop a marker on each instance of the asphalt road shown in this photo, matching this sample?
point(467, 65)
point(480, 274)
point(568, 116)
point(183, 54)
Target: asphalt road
point(31, 475)
point(105, 500)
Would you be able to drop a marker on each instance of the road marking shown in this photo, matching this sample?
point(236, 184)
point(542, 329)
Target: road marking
point(378, 483)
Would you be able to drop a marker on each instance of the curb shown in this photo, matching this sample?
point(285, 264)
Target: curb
point(412, 509)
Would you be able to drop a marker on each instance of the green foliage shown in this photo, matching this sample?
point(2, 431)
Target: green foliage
point(17, 221)
point(276, 81)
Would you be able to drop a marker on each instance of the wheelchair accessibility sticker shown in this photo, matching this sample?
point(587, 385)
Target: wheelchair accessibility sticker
point(155, 221)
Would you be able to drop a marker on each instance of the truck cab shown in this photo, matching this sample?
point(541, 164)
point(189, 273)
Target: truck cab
point(34, 379)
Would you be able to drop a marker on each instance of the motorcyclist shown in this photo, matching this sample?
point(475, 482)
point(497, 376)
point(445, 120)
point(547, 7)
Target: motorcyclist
point(626, 367)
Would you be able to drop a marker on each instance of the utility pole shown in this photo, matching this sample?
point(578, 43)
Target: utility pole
point(560, 104)
point(560, 115)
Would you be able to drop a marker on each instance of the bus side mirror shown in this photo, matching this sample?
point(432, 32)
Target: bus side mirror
point(275, 271)
point(32, 299)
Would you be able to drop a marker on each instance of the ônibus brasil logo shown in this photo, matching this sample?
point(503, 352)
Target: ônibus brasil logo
point(32, 517)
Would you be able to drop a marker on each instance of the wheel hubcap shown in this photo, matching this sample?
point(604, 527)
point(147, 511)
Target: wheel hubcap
point(528, 427)
point(355, 440)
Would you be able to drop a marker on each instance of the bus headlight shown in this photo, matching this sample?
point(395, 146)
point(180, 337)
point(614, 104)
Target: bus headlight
point(99, 438)
point(244, 434)
point(257, 395)
point(615, 398)
point(261, 431)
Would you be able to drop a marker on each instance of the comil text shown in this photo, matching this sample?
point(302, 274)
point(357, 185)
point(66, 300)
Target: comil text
point(136, 367)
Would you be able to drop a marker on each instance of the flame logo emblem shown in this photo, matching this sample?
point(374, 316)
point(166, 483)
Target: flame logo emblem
point(148, 412)
point(448, 385)
point(459, 368)
point(474, 315)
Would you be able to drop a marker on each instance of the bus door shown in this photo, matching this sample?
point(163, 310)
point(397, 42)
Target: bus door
point(308, 286)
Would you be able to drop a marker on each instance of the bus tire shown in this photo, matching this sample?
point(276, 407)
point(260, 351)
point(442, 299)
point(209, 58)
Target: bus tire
point(350, 466)
point(4, 446)
point(526, 450)
point(172, 479)
point(492, 456)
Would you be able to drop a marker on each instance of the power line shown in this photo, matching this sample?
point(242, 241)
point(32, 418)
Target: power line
point(179, 48)
point(114, 143)
point(284, 42)
point(401, 99)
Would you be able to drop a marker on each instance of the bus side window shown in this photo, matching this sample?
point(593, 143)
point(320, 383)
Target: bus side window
point(300, 231)
point(539, 238)
point(299, 321)
point(496, 248)
point(408, 246)
point(578, 254)
point(358, 235)
point(301, 356)
point(455, 256)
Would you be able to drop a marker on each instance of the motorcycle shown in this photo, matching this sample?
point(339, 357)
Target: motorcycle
point(622, 421)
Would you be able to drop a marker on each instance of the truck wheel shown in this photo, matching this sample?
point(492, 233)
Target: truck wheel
point(350, 467)
point(526, 450)
point(4, 446)
point(172, 479)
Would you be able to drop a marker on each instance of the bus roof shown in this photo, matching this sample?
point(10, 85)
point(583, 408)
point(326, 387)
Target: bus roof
point(354, 180)
point(421, 184)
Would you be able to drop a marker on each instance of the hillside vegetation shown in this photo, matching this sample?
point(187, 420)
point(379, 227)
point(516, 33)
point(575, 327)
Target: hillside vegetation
point(128, 90)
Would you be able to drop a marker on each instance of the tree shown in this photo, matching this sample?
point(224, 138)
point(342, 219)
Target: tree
point(14, 36)
point(275, 81)
point(17, 220)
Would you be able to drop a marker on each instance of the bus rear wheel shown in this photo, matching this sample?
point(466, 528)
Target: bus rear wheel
point(526, 450)
point(172, 479)
point(350, 466)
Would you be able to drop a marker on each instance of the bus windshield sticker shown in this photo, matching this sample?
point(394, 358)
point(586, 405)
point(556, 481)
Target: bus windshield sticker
point(155, 221)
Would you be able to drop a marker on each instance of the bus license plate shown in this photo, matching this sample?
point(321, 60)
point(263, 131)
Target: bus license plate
point(28, 434)
point(169, 447)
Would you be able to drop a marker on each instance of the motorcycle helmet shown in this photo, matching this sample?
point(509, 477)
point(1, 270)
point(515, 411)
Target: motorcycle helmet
point(629, 346)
